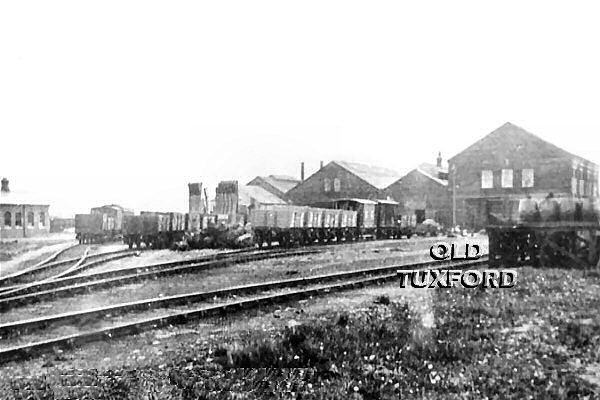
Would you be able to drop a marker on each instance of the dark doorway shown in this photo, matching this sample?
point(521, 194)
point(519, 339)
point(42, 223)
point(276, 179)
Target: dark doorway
point(420, 215)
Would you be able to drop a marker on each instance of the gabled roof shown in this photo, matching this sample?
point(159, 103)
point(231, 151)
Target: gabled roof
point(248, 193)
point(513, 134)
point(281, 182)
point(375, 176)
point(432, 171)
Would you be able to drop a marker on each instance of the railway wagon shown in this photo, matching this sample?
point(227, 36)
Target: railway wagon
point(390, 223)
point(154, 229)
point(366, 226)
point(554, 232)
point(377, 219)
point(94, 228)
point(289, 225)
point(113, 211)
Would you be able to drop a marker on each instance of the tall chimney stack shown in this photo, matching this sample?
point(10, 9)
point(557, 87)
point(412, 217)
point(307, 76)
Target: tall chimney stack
point(321, 165)
point(439, 160)
point(5, 188)
point(196, 206)
point(302, 171)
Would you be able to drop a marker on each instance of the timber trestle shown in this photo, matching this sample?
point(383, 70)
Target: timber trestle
point(545, 244)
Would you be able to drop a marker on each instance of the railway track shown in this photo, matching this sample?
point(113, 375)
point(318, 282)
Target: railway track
point(309, 286)
point(66, 286)
point(79, 265)
point(15, 280)
point(37, 266)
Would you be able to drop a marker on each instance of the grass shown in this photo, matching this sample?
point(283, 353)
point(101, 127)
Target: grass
point(533, 341)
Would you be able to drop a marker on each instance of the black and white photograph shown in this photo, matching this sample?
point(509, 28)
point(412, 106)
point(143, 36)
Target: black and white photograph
point(299, 200)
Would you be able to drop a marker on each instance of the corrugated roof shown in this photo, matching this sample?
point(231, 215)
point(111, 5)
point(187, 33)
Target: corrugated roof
point(376, 176)
point(17, 198)
point(249, 194)
point(281, 182)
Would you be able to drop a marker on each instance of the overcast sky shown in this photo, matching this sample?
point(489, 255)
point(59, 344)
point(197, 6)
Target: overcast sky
point(128, 101)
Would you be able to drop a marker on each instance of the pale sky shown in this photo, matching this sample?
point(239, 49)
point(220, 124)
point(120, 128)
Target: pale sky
point(128, 101)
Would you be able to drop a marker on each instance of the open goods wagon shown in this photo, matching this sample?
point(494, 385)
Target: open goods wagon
point(562, 232)
point(154, 229)
point(290, 225)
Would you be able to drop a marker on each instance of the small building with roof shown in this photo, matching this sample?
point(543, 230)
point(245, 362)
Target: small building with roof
point(21, 214)
point(343, 179)
point(424, 192)
point(233, 199)
point(278, 185)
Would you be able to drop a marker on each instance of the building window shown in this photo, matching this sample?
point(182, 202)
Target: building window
point(42, 219)
point(527, 178)
point(30, 219)
point(487, 179)
point(326, 185)
point(581, 188)
point(18, 219)
point(574, 185)
point(7, 219)
point(507, 178)
point(336, 185)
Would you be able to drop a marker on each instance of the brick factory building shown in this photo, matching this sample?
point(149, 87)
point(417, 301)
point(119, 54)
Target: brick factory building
point(424, 192)
point(494, 173)
point(342, 179)
point(21, 215)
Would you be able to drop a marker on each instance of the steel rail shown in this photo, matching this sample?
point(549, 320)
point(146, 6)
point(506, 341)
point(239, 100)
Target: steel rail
point(381, 275)
point(87, 283)
point(37, 266)
point(30, 271)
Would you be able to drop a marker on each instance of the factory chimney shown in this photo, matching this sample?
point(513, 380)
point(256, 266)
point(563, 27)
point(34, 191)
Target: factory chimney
point(5, 188)
point(439, 160)
point(321, 165)
point(195, 204)
point(302, 171)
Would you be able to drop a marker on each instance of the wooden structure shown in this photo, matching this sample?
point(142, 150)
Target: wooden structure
point(545, 244)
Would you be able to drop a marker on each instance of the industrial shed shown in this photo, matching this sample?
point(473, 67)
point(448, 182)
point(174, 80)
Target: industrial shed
point(22, 215)
point(508, 164)
point(424, 193)
point(278, 185)
point(342, 179)
point(233, 199)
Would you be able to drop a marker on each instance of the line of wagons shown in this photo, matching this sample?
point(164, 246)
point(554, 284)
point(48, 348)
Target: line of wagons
point(287, 225)
point(338, 220)
point(153, 229)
